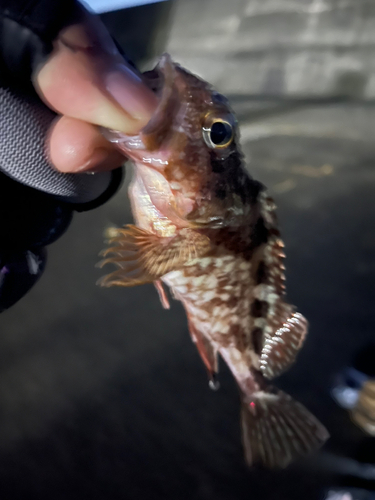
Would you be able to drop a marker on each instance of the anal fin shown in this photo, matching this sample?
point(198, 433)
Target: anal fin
point(162, 294)
point(279, 350)
point(276, 429)
point(143, 257)
point(208, 354)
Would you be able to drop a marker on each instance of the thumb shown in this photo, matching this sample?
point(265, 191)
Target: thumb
point(86, 78)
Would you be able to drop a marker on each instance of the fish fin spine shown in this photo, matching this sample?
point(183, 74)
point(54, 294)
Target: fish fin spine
point(207, 351)
point(162, 294)
point(280, 350)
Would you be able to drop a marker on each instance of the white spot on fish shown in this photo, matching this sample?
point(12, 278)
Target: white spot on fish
point(236, 355)
point(225, 328)
point(229, 267)
point(244, 266)
point(272, 298)
point(244, 322)
point(203, 314)
point(259, 322)
point(178, 174)
point(178, 279)
point(211, 282)
point(262, 291)
point(205, 262)
point(225, 297)
point(193, 262)
point(216, 311)
point(173, 276)
point(199, 280)
point(207, 296)
point(268, 330)
point(198, 312)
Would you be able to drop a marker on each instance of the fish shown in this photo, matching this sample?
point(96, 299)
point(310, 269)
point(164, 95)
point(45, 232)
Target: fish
point(208, 231)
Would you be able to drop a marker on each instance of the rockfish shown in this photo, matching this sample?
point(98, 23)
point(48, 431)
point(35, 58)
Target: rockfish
point(206, 229)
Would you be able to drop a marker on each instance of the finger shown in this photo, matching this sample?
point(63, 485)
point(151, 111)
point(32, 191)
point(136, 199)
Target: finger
point(86, 78)
point(77, 146)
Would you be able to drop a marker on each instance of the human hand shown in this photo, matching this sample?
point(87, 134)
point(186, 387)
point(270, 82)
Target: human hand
point(88, 82)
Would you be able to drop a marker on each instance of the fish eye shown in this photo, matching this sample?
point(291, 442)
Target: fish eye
point(218, 132)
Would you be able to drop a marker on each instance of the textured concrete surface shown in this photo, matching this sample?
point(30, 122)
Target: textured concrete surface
point(284, 47)
point(102, 393)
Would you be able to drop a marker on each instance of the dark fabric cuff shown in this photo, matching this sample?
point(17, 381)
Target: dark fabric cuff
point(27, 31)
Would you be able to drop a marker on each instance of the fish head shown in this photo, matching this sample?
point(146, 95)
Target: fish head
point(187, 156)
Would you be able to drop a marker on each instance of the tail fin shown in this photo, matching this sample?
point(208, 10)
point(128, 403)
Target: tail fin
point(276, 429)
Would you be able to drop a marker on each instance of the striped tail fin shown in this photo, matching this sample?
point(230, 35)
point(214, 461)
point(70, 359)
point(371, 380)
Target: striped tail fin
point(276, 429)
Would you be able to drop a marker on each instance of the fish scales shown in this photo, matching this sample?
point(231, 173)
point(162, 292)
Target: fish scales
point(209, 232)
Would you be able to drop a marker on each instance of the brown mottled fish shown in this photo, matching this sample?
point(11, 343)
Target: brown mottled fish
point(206, 229)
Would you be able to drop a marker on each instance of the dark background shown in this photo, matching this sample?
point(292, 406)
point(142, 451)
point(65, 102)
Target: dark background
point(102, 394)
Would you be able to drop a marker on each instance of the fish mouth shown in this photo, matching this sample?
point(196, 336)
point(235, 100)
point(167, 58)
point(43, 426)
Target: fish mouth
point(162, 81)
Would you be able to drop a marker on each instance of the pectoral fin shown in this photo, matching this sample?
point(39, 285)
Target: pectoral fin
point(143, 257)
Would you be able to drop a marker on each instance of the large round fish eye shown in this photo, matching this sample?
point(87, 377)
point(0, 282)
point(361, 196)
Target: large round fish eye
point(218, 131)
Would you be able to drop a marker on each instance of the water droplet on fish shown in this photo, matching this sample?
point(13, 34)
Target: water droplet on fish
point(214, 384)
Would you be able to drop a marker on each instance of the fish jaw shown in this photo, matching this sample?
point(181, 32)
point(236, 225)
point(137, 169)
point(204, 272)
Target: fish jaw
point(202, 193)
point(155, 131)
point(150, 172)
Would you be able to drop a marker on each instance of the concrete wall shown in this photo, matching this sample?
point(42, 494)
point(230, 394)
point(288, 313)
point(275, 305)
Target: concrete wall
point(313, 48)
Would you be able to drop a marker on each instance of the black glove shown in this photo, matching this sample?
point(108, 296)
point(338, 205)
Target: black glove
point(36, 202)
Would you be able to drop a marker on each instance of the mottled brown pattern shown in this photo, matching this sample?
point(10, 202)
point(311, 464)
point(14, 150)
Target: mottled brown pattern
point(233, 292)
